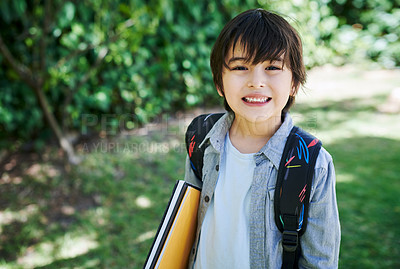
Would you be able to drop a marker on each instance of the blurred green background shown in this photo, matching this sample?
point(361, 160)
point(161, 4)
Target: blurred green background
point(115, 83)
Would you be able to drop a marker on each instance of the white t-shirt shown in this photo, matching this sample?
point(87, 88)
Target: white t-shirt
point(224, 239)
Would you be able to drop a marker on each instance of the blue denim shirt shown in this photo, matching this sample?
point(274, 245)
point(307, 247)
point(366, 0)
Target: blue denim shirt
point(319, 244)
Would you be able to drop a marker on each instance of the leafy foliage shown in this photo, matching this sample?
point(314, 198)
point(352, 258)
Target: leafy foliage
point(134, 59)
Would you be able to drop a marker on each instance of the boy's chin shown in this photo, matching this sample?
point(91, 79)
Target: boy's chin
point(259, 119)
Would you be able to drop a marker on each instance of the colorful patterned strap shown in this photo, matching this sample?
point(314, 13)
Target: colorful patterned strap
point(294, 179)
point(292, 191)
point(195, 134)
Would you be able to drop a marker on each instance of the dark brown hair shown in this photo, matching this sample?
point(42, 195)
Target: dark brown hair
point(264, 36)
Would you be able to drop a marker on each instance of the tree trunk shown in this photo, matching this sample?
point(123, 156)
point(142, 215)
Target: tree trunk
point(36, 84)
point(55, 127)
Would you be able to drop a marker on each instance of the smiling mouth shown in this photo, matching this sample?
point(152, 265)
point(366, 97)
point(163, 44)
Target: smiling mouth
point(256, 100)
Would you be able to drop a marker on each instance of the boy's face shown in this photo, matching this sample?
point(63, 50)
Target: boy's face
point(256, 93)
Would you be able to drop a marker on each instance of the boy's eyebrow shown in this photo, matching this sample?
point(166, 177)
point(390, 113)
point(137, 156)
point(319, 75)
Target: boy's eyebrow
point(279, 59)
point(234, 59)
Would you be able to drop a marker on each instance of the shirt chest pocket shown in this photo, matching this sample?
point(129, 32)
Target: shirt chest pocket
point(270, 213)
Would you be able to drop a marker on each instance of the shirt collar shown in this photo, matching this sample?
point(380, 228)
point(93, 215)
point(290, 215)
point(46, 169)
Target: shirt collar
point(272, 150)
point(217, 134)
point(276, 144)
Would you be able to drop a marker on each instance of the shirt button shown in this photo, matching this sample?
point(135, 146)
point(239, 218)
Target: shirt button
point(217, 167)
point(207, 199)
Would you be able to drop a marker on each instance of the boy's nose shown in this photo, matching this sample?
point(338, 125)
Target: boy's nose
point(256, 84)
point(257, 79)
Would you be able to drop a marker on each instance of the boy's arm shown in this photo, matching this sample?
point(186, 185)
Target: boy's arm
point(321, 241)
point(190, 177)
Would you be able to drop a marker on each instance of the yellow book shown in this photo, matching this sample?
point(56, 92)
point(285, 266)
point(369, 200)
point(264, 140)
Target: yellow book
point(176, 233)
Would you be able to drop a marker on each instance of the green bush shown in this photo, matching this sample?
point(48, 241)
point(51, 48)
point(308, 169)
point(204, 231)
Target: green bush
point(144, 58)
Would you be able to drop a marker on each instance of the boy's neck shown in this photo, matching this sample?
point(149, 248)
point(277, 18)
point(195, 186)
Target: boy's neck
point(250, 137)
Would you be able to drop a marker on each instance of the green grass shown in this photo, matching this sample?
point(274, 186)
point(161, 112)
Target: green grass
point(365, 147)
point(105, 212)
point(116, 199)
point(368, 185)
point(368, 192)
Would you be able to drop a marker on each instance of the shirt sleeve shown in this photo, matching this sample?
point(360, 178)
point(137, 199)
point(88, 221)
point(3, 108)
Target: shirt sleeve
point(321, 242)
point(190, 177)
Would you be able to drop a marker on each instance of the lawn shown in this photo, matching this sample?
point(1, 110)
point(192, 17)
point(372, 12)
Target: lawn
point(105, 212)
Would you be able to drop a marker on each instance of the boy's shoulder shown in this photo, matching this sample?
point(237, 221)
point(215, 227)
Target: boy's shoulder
point(208, 125)
point(324, 159)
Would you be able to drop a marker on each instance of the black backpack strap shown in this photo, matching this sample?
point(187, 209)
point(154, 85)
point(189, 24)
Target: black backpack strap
point(292, 191)
point(195, 134)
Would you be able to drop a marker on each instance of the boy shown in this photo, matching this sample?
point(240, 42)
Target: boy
point(257, 68)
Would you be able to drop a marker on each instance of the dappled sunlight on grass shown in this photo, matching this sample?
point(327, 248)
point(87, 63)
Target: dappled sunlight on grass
point(368, 191)
point(9, 216)
point(342, 109)
point(66, 246)
point(143, 202)
point(344, 178)
point(341, 103)
point(347, 82)
point(133, 187)
point(146, 236)
point(333, 121)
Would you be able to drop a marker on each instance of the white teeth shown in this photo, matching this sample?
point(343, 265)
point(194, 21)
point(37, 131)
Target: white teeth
point(256, 100)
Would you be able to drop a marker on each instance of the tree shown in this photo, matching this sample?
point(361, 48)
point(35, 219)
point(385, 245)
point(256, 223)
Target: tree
point(56, 47)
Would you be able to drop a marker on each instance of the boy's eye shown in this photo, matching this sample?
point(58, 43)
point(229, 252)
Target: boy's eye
point(240, 68)
point(272, 68)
